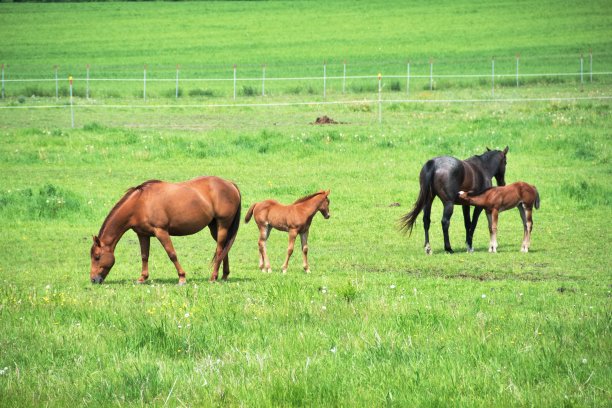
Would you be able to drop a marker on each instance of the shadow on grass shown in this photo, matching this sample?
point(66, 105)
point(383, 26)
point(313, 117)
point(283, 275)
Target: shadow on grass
point(174, 281)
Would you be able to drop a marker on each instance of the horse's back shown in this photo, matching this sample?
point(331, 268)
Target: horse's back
point(223, 195)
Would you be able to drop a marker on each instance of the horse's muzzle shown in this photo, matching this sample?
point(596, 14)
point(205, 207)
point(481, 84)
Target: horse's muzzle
point(97, 279)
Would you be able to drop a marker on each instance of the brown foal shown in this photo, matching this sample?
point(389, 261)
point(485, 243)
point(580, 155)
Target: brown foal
point(497, 199)
point(294, 219)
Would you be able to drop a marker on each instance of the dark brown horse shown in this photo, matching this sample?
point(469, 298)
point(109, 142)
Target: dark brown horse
point(294, 218)
point(444, 177)
point(160, 209)
point(497, 199)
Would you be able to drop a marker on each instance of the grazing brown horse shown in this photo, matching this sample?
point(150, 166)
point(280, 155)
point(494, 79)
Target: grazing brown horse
point(497, 199)
point(160, 209)
point(294, 218)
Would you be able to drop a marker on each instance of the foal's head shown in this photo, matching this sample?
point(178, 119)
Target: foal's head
point(102, 260)
point(324, 206)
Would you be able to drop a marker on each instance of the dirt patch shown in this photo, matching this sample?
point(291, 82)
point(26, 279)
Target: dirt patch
point(325, 120)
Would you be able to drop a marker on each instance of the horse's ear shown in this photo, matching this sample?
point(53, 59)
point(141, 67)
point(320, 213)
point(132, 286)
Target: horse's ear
point(96, 241)
point(506, 151)
point(327, 192)
point(488, 150)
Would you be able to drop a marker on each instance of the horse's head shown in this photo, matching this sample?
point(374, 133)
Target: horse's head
point(324, 206)
point(499, 172)
point(102, 260)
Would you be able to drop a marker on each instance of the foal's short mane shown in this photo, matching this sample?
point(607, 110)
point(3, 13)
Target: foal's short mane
point(308, 197)
point(127, 194)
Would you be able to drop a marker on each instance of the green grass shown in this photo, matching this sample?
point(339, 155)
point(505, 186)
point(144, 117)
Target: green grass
point(377, 323)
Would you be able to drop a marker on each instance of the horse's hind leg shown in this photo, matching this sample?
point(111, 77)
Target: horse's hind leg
point(145, 245)
point(468, 225)
point(264, 261)
point(292, 235)
point(164, 238)
point(221, 237)
point(527, 226)
point(446, 216)
point(493, 217)
point(226, 268)
point(426, 224)
point(304, 241)
point(472, 227)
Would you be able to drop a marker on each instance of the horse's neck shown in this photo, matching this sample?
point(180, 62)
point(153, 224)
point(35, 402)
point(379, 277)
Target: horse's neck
point(116, 224)
point(311, 206)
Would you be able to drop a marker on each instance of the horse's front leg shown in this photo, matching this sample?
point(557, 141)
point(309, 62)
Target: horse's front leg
point(164, 239)
point(304, 241)
point(292, 235)
point(492, 216)
point(446, 216)
point(145, 245)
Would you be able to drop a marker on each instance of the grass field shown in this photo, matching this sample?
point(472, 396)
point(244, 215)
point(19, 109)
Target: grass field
point(377, 323)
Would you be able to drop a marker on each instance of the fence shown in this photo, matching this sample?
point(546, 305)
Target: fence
point(396, 87)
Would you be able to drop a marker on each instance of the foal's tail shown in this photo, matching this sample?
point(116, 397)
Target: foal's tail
point(425, 195)
point(249, 214)
point(537, 200)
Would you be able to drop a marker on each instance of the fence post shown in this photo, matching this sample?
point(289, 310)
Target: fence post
point(518, 56)
point(324, 79)
point(431, 74)
point(87, 84)
point(177, 80)
point(263, 80)
point(234, 81)
point(581, 69)
point(493, 76)
point(591, 63)
point(408, 79)
point(379, 98)
point(2, 81)
point(71, 103)
point(56, 83)
point(144, 88)
point(344, 78)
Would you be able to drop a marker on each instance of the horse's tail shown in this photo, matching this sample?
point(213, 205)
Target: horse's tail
point(249, 213)
point(232, 231)
point(425, 195)
point(537, 199)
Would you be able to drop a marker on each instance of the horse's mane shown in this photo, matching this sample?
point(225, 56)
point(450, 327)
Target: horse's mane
point(127, 194)
point(308, 197)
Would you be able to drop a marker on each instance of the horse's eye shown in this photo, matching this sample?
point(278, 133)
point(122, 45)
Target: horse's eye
point(97, 257)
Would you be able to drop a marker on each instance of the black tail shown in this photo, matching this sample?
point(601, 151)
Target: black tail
point(537, 200)
point(425, 195)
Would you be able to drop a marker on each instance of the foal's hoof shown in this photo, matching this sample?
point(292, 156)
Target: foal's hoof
point(306, 271)
point(181, 283)
point(284, 271)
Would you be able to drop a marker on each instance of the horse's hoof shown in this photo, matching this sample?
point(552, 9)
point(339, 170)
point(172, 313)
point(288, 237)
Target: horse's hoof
point(449, 251)
point(284, 271)
point(470, 250)
point(307, 271)
point(182, 283)
point(428, 250)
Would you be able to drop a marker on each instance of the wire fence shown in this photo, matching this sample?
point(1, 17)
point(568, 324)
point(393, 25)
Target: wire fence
point(422, 86)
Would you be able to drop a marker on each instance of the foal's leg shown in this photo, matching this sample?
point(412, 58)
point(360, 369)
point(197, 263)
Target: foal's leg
point(426, 224)
point(527, 226)
point(304, 241)
point(292, 235)
point(264, 262)
point(493, 217)
point(164, 238)
point(446, 216)
point(145, 244)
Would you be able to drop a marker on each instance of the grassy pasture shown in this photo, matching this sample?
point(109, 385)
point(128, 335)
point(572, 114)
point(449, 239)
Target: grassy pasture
point(377, 322)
